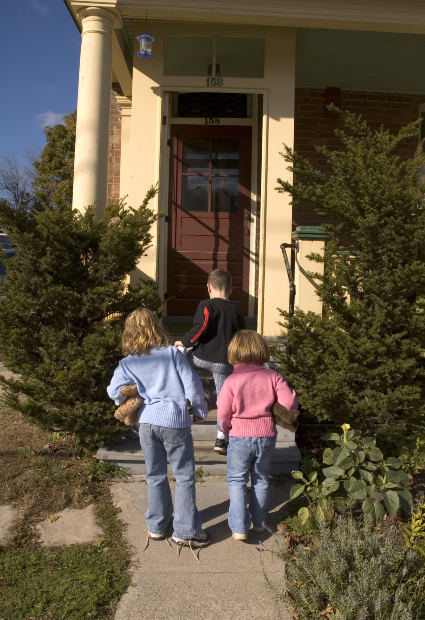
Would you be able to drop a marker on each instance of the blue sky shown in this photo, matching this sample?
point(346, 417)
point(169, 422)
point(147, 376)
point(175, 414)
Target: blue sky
point(39, 59)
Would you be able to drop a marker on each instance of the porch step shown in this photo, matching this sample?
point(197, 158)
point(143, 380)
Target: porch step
point(125, 451)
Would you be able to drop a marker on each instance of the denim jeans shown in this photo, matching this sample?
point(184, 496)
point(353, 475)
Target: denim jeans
point(245, 456)
point(220, 372)
point(158, 443)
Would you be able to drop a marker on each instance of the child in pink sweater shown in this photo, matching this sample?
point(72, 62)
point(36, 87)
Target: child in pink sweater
point(244, 409)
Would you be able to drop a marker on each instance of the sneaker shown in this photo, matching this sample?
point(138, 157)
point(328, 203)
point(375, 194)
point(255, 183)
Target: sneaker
point(221, 446)
point(154, 536)
point(239, 536)
point(258, 528)
point(197, 542)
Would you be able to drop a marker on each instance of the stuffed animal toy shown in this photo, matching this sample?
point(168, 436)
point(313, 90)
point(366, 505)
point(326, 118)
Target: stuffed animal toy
point(285, 418)
point(128, 411)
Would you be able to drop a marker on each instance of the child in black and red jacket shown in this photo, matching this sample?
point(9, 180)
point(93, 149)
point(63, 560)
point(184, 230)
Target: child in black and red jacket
point(216, 321)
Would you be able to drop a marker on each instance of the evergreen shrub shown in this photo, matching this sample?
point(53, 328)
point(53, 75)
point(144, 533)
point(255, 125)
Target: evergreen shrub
point(363, 361)
point(62, 309)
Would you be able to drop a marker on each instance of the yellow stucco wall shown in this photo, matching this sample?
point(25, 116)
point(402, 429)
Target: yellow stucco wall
point(145, 160)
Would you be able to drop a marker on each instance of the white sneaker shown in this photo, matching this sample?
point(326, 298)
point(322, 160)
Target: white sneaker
point(239, 536)
point(154, 536)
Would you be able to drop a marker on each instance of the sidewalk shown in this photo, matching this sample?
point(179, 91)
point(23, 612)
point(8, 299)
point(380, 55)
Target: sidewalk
point(229, 580)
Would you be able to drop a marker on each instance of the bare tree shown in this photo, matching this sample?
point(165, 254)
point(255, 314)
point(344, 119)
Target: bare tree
point(15, 182)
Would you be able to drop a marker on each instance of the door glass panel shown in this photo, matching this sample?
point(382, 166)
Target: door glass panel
point(225, 156)
point(196, 156)
point(225, 191)
point(194, 193)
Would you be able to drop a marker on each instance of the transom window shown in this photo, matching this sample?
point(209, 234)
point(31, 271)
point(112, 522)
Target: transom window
point(211, 105)
point(216, 56)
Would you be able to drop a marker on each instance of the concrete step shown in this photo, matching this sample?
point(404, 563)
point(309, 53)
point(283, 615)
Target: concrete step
point(125, 451)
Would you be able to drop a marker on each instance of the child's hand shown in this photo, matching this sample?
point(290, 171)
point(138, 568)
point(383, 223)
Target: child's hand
point(178, 343)
point(197, 420)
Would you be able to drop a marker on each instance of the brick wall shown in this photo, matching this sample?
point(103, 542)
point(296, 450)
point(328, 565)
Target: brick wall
point(314, 125)
point(114, 157)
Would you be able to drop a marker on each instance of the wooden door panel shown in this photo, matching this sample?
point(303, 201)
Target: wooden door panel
point(207, 243)
point(209, 208)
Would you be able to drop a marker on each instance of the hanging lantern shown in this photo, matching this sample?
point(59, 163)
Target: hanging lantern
point(145, 42)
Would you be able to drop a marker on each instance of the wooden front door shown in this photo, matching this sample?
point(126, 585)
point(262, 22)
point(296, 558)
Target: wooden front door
point(210, 213)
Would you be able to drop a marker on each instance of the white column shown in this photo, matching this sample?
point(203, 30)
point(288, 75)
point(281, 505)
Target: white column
point(94, 90)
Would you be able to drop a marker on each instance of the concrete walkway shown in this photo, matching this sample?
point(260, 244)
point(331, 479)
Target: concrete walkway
point(227, 583)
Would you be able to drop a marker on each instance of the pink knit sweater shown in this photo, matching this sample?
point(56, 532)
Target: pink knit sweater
point(244, 405)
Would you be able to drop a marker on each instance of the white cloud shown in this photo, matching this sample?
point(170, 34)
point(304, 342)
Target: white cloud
point(49, 118)
point(40, 7)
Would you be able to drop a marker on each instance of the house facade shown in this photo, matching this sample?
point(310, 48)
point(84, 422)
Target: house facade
point(206, 116)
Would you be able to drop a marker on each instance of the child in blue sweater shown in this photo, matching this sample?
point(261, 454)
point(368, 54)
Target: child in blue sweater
point(165, 380)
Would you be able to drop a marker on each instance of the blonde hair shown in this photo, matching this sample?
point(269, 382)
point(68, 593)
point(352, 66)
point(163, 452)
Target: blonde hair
point(247, 346)
point(142, 332)
point(221, 280)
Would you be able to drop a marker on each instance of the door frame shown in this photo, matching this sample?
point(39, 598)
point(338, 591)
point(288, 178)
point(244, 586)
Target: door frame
point(257, 184)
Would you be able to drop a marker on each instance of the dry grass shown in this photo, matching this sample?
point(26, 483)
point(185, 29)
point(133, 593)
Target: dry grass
point(42, 473)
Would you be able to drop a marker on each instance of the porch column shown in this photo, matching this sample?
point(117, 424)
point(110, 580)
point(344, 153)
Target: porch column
point(94, 91)
point(276, 223)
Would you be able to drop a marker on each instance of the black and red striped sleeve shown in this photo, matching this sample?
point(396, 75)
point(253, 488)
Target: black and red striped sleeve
point(201, 323)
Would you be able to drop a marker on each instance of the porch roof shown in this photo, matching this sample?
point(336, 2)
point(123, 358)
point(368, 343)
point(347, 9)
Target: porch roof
point(377, 15)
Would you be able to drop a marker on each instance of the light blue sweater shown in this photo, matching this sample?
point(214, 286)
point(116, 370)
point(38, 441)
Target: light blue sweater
point(164, 380)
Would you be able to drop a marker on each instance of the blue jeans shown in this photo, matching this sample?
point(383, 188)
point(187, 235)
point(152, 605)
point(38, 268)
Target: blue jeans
point(220, 372)
point(245, 456)
point(158, 443)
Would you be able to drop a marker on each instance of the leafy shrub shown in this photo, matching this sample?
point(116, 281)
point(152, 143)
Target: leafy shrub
point(353, 572)
point(356, 470)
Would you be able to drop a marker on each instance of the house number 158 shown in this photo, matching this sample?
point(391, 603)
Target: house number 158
point(215, 82)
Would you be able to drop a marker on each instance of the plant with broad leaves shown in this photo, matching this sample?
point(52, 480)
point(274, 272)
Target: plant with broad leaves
point(355, 469)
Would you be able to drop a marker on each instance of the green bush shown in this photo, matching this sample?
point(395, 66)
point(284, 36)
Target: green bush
point(363, 362)
point(62, 310)
point(353, 572)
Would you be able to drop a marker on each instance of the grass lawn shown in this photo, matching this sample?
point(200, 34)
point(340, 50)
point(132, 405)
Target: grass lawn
point(42, 473)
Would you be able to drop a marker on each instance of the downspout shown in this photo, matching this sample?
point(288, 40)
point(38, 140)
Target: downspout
point(292, 288)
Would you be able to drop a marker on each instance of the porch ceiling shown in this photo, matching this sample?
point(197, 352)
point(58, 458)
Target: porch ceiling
point(376, 15)
point(386, 16)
